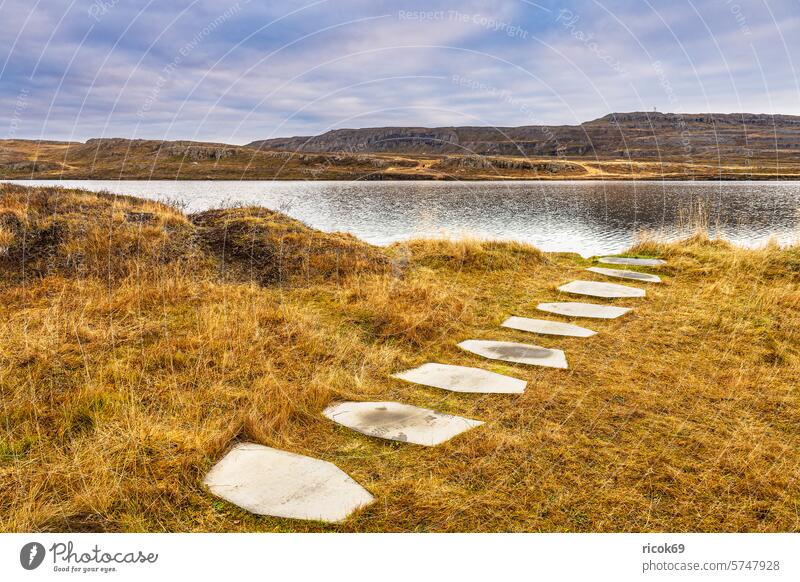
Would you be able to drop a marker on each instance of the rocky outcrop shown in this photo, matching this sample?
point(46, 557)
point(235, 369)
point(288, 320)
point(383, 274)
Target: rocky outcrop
point(636, 135)
point(195, 151)
point(31, 166)
point(381, 139)
point(491, 163)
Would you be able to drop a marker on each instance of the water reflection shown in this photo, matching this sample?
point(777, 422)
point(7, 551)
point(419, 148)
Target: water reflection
point(585, 217)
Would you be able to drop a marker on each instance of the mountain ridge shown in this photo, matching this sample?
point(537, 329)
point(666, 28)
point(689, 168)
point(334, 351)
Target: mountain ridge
point(632, 135)
point(618, 146)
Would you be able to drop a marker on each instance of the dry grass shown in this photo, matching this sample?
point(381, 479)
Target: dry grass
point(134, 350)
point(122, 159)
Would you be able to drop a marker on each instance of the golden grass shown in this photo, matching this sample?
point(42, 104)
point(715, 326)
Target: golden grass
point(119, 159)
point(6, 238)
point(135, 349)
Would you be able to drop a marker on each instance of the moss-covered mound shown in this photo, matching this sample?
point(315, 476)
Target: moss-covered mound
point(268, 247)
point(78, 233)
point(47, 231)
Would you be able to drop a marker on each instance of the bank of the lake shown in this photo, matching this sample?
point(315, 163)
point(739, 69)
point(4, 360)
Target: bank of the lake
point(589, 218)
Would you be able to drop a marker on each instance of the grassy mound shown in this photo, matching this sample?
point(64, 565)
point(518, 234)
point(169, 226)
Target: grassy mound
point(268, 247)
point(77, 233)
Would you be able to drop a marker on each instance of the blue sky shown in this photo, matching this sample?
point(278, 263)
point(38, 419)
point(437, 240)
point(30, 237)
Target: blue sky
point(235, 71)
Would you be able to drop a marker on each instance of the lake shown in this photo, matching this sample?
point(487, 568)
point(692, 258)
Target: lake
point(586, 217)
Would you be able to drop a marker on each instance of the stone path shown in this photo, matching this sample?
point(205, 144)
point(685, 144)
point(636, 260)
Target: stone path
point(602, 290)
point(547, 327)
point(268, 481)
point(591, 310)
point(516, 353)
point(399, 422)
point(631, 261)
point(462, 379)
point(623, 274)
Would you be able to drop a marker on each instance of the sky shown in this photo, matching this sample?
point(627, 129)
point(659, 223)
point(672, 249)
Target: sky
point(234, 71)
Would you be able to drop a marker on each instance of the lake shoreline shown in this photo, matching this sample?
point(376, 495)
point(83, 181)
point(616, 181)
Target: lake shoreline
point(795, 177)
point(586, 217)
point(144, 159)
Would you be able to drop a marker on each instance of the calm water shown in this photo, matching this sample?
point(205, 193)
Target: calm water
point(585, 217)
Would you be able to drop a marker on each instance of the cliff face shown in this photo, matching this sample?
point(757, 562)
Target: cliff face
point(379, 139)
point(636, 135)
point(189, 150)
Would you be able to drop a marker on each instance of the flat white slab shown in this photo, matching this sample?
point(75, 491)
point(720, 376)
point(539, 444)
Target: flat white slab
point(598, 289)
point(268, 481)
point(624, 274)
point(399, 422)
point(592, 310)
point(462, 379)
point(632, 261)
point(517, 353)
point(547, 327)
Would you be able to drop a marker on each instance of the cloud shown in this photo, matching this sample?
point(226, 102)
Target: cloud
point(238, 70)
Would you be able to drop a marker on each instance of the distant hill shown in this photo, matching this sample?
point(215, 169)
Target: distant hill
point(619, 146)
point(637, 136)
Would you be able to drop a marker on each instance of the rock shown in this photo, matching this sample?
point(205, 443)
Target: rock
point(584, 310)
point(632, 261)
point(547, 327)
point(462, 379)
point(623, 274)
point(31, 166)
point(516, 353)
point(399, 422)
point(605, 290)
point(140, 217)
point(268, 481)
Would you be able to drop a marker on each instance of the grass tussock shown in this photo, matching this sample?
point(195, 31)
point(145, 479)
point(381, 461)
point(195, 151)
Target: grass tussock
point(131, 358)
point(372, 305)
point(467, 254)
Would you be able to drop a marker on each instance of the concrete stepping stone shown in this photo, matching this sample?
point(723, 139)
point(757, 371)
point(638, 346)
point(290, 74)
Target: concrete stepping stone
point(462, 379)
point(547, 327)
point(598, 289)
point(516, 353)
point(268, 481)
point(399, 422)
point(632, 261)
point(592, 310)
point(623, 274)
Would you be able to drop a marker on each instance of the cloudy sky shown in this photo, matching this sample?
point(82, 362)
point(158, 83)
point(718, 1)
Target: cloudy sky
point(238, 70)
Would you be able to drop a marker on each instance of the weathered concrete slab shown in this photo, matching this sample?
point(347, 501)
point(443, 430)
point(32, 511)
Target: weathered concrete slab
point(268, 481)
point(516, 353)
point(462, 379)
point(598, 289)
point(547, 327)
point(399, 422)
point(632, 261)
point(624, 274)
point(592, 310)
